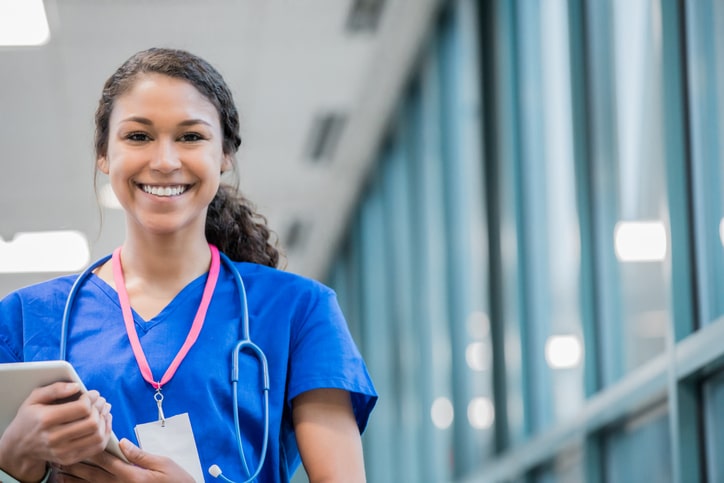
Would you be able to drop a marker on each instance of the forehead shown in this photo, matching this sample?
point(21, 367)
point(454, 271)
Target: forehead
point(160, 96)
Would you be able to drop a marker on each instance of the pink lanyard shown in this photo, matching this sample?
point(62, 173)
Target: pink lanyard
point(190, 339)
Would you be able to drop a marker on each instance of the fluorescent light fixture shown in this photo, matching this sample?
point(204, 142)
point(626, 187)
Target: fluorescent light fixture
point(481, 413)
point(108, 198)
point(640, 241)
point(23, 22)
point(48, 251)
point(721, 230)
point(442, 413)
point(563, 351)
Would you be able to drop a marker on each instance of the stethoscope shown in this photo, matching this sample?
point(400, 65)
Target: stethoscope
point(244, 344)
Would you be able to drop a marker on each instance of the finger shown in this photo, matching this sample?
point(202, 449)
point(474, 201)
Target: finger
point(88, 425)
point(164, 468)
point(76, 442)
point(137, 456)
point(52, 393)
point(70, 412)
point(108, 418)
point(133, 453)
point(92, 438)
point(97, 401)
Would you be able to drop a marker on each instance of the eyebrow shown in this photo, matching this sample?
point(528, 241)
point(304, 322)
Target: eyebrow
point(148, 122)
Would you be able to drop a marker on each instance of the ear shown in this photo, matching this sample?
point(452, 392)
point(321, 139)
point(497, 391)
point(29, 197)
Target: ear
point(102, 163)
point(227, 163)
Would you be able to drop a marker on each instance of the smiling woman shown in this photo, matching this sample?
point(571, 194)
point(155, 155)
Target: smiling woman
point(163, 314)
point(164, 155)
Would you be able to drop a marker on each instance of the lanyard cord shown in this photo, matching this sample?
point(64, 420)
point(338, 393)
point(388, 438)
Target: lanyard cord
point(193, 332)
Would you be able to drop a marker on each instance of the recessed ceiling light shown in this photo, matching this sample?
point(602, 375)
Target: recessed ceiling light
point(364, 15)
point(324, 136)
point(23, 22)
point(295, 235)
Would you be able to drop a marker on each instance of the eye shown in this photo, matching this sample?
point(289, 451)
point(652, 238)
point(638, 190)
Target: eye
point(191, 137)
point(138, 136)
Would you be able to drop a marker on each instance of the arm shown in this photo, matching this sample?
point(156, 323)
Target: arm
point(327, 435)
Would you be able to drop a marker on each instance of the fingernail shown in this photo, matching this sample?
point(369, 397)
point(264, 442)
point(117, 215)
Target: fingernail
point(72, 386)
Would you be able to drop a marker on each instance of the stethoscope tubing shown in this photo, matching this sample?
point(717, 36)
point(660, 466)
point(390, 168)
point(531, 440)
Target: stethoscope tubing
point(245, 344)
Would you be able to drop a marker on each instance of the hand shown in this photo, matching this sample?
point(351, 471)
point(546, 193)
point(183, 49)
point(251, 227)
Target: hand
point(106, 468)
point(47, 430)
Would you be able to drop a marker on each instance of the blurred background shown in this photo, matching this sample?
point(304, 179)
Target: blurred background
point(518, 202)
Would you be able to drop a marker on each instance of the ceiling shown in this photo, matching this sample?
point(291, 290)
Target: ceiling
point(290, 64)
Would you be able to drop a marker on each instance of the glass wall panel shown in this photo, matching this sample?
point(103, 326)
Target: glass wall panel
point(640, 449)
point(378, 337)
point(631, 207)
point(705, 40)
point(467, 250)
point(429, 276)
point(551, 238)
point(714, 424)
point(566, 468)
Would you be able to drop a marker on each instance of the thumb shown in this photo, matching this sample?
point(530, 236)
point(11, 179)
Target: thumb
point(134, 454)
point(138, 457)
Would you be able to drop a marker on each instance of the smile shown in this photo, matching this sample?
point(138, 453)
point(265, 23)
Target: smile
point(164, 190)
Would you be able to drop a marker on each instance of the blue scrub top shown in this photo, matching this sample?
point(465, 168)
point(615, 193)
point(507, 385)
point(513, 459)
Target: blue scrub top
point(296, 321)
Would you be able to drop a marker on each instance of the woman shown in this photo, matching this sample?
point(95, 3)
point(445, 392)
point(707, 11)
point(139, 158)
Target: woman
point(166, 130)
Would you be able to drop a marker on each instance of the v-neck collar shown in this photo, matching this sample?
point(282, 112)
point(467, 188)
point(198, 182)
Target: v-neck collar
point(189, 295)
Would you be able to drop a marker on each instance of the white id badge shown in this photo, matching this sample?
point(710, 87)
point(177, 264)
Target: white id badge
point(174, 440)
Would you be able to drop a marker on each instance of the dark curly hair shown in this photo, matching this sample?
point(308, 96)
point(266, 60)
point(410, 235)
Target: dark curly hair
point(232, 223)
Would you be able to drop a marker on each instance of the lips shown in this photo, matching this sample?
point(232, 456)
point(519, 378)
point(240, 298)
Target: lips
point(165, 191)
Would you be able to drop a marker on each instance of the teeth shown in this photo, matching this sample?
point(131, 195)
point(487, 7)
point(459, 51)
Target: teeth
point(163, 190)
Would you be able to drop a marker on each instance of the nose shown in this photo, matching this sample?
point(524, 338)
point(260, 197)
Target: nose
point(166, 157)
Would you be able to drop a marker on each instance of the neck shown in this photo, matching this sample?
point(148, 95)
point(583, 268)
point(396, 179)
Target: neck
point(164, 259)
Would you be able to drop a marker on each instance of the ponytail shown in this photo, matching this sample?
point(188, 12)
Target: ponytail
point(234, 226)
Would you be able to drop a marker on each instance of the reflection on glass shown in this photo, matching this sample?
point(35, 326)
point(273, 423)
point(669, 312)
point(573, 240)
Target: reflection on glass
point(564, 351)
point(442, 413)
point(637, 294)
point(705, 44)
point(477, 357)
point(552, 243)
point(640, 241)
point(481, 413)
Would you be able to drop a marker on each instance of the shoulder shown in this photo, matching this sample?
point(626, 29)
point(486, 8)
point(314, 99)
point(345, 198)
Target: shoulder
point(27, 313)
point(44, 291)
point(288, 295)
point(264, 278)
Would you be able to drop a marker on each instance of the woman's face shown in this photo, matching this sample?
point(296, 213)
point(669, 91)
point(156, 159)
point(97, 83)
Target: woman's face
point(165, 156)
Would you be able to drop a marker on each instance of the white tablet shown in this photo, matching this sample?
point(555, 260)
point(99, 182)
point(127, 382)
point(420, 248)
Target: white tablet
point(18, 379)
